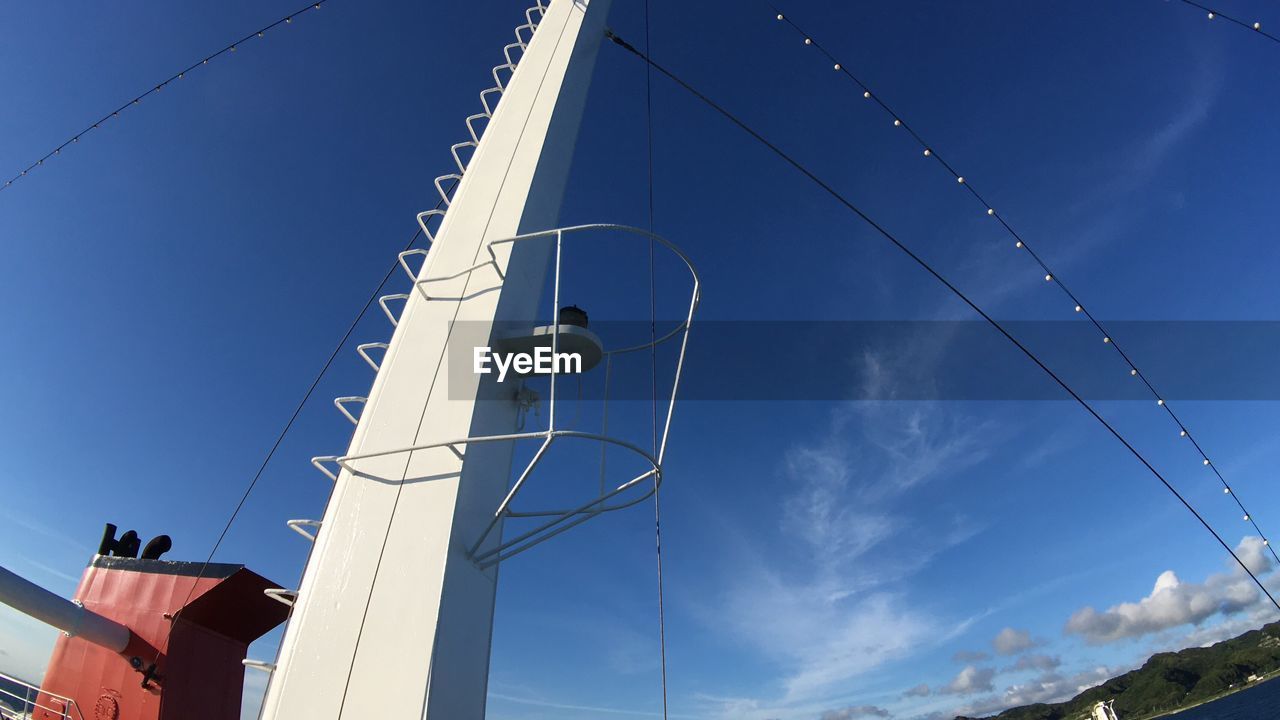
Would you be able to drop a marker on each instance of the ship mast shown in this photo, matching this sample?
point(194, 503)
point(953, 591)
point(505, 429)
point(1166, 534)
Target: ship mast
point(393, 618)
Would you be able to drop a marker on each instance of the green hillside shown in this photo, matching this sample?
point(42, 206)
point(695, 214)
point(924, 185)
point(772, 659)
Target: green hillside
point(1169, 681)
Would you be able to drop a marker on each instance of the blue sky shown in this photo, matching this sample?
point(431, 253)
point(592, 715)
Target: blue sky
point(173, 283)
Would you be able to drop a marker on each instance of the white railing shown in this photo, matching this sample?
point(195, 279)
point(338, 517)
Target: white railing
point(29, 702)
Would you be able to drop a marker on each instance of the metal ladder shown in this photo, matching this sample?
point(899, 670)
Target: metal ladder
point(427, 220)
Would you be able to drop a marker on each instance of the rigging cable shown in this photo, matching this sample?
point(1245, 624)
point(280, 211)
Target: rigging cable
point(1256, 27)
point(1050, 276)
point(176, 76)
point(285, 430)
point(924, 264)
point(653, 367)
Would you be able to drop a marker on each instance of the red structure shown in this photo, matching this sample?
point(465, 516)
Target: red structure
point(197, 673)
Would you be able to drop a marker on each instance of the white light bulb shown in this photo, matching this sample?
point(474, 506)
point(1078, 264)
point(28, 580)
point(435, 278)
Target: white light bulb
point(779, 16)
point(1182, 433)
point(807, 41)
point(1266, 542)
point(259, 34)
point(1160, 402)
point(991, 211)
point(866, 93)
point(1018, 244)
point(1047, 278)
point(1226, 491)
point(897, 122)
point(1257, 26)
point(1206, 461)
point(1210, 16)
point(1106, 339)
point(1079, 309)
point(837, 66)
point(927, 152)
point(1133, 372)
point(960, 180)
point(1246, 518)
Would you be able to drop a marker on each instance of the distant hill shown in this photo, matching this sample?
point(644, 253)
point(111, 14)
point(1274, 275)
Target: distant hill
point(1169, 681)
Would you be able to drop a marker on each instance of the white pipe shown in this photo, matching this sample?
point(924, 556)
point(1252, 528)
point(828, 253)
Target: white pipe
point(47, 607)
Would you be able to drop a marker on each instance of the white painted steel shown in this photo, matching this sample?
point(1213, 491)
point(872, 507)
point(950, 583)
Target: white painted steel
point(393, 620)
point(52, 609)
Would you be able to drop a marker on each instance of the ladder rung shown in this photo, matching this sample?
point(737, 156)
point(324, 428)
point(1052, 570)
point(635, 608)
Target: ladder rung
point(282, 595)
point(300, 526)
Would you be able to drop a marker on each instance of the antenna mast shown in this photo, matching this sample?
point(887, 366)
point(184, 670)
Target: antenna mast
point(393, 618)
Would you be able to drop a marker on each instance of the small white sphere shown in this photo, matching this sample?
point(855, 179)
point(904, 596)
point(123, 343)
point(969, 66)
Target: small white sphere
point(1210, 16)
point(1133, 372)
point(779, 16)
point(807, 41)
point(960, 180)
point(837, 66)
point(1106, 339)
point(866, 93)
point(991, 211)
point(1160, 402)
point(897, 122)
point(927, 152)
point(1226, 491)
point(1206, 461)
point(1257, 26)
point(1047, 278)
point(1018, 244)
point(1079, 309)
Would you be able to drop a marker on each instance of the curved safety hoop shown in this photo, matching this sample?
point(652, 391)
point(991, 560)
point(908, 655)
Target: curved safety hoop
point(554, 521)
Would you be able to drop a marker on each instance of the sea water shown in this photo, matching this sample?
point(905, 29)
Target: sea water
point(1261, 702)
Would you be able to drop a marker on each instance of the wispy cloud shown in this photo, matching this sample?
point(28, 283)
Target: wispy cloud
point(821, 606)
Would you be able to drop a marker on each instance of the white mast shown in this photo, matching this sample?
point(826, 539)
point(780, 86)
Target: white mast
point(392, 619)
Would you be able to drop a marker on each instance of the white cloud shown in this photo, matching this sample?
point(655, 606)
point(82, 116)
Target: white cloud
point(1011, 642)
point(921, 690)
point(1043, 663)
point(853, 712)
point(970, 656)
point(1047, 688)
point(1173, 603)
point(971, 680)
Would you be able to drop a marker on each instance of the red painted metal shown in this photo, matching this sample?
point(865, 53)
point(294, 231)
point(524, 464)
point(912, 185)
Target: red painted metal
point(199, 672)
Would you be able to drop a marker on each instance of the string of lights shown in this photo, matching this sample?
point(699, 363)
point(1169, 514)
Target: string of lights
point(924, 265)
point(930, 151)
point(1214, 14)
point(114, 114)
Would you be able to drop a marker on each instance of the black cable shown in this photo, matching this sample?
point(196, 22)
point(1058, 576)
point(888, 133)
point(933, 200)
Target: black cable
point(653, 370)
point(1021, 243)
point(176, 76)
point(955, 290)
point(1255, 27)
point(285, 431)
